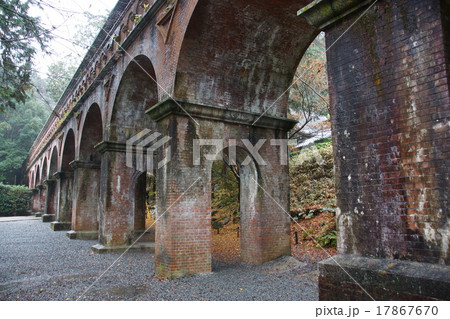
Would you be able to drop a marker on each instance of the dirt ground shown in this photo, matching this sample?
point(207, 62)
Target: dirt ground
point(226, 244)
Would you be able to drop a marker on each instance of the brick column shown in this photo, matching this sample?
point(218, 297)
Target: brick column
point(390, 106)
point(183, 232)
point(116, 215)
point(35, 200)
point(85, 200)
point(50, 201)
point(65, 199)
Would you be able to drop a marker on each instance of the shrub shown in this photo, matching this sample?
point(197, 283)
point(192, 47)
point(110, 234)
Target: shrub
point(312, 178)
point(14, 200)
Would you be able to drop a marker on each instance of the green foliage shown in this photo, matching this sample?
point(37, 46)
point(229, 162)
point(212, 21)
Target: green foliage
point(308, 98)
point(18, 129)
point(312, 178)
point(327, 240)
point(323, 142)
point(20, 36)
point(327, 236)
point(61, 72)
point(14, 200)
point(58, 77)
point(87, 32)
point(225, 195)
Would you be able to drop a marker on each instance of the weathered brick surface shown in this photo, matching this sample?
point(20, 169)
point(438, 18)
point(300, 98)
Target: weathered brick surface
point(390, 112)
point(183, 232)
point(85, 199)
point(389, 88)
point(382, 279)
point(116, 222)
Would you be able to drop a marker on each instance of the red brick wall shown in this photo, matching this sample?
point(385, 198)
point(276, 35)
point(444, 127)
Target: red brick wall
point(389, 85)
point(183, 231)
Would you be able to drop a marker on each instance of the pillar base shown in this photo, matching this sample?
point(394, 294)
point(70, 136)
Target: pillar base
point(60, 226)
point(383, 279)
point(72, 234)
point(100, 249)
point(144, 236)
point(48, 218)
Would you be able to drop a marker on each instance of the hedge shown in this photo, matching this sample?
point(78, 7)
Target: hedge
point(14, 200)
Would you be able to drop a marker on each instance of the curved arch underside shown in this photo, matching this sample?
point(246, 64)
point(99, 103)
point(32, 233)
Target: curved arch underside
point(137, 92)
point(44, 170)
point(68, 152)
point(53, 162)
point(37, 177)
point(92, 135)
point(242, 54)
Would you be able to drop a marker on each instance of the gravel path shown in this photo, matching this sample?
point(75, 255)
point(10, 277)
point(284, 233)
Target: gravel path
point(39, 264)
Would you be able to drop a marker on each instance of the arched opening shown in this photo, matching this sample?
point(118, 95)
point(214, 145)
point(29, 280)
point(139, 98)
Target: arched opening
point(52, 198)
point(37, 180)
point(250, 66)
point(66, 181)
point(92, 135)
point(137, 92)
point(44, 170)
point(53, 162)
point(43, 190)
point(86, 188)
point(260, 64)
point(311, 165)
point(68, 152)
point(144, 208)
point(234, 206)
point(225, 212)
point(31, 180)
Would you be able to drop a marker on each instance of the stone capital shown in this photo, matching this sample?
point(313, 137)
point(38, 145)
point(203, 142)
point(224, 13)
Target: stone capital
point(50, 181)
point(62, 175)
point(169, 107)
point(322, 13)
point(109, 146)
point(84, 164)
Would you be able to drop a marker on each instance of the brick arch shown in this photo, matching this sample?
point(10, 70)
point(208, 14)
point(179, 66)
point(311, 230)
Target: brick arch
point(44, 172)
point(32, 181)
point(53, 163)
point(37, 180)
point(68, 150)
point(91, 133)
point(251, 64)
point(137, 92)
point(248, 201)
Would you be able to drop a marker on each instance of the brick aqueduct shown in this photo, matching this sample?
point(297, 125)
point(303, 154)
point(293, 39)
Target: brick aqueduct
point(208, 69)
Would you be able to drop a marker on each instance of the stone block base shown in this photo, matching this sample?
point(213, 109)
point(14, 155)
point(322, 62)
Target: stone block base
point(383, 279)
point(100, 249)
point(144, 236)
point(72, 234)
point(48, 218)
point(38, 215)
point(59, 226)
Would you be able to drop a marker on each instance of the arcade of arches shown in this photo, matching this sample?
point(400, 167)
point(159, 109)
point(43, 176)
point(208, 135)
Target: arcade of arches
point(219, 70)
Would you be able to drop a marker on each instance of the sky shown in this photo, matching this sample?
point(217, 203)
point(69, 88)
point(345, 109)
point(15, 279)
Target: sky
point(65, 15)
